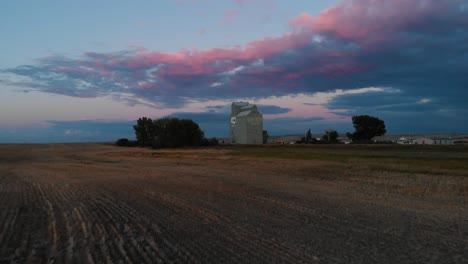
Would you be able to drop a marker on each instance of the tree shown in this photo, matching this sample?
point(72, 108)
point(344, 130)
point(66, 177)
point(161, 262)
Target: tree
point(168, 132)
point(210, 142)
point(124, 142)
point(265, 136)
point(330, 136)
point(366, 127)
point(308, 137)
point(174, 132)
point(144, 131)
point(191, 132)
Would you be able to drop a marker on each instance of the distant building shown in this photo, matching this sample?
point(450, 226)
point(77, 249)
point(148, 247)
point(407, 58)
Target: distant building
point(287, 139)
point(433, 141)
point(405, 141)
point(246, 125)
point(389, 139)
point(416, 139)
point(423, 141)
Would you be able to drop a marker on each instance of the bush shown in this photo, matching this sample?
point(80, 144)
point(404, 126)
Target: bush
point(168, 133)
point(124, 142)
point(210, 142)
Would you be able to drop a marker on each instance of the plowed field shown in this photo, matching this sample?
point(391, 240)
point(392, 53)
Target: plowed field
point(94, 203)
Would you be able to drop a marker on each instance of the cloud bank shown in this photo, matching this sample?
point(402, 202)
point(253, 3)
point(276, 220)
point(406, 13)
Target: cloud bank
point(416, 48)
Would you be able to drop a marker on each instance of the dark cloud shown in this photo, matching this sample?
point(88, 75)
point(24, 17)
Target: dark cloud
point(379, 100)
point(404, 113)
point(217, 124)
point(419, 49)
point(420, 54)
point(90, 130)
point(213, 124)
point(272, 109)
point(70, 131)
point(294, 126)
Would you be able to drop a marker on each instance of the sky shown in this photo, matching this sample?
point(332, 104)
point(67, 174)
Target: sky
point(79, 71)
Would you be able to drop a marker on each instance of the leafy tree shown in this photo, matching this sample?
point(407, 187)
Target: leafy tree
point(168, 132)
point(174, 132)
point(308, 137)
point(265, 136)
point(124, 142)
point(210, 142)
point(330, 136)
point(191, 132)
point(366, 127)
point(144, 131)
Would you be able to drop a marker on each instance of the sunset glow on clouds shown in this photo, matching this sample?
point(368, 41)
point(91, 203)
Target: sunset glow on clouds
point(390, 58)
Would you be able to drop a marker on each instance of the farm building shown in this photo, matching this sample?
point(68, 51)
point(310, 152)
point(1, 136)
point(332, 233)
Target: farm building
point(416, 139)
point(287, 139)
point(387, 138)
point(423, 141)
point(433, 141)
point(405, 141)
point(246, 125)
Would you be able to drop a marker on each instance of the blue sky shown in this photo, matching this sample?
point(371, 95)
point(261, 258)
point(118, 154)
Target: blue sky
point(85, 71)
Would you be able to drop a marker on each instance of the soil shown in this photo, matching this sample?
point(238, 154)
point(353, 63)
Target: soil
point(95, 203)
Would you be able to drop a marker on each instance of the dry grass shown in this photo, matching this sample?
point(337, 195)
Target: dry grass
point(290, 204)
point(426, 172)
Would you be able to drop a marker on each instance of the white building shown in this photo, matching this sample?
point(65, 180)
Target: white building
point(416, 140)
point(423, 141)
point(405, 141)
point(433, 141)
point(246, 125)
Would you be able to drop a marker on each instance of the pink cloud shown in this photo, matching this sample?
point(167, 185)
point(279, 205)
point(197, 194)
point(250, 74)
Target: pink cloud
point(360, 20)
point(369, 21)
point(333, 44)
point(264, 70)
point(198, 62)
point(364, 21)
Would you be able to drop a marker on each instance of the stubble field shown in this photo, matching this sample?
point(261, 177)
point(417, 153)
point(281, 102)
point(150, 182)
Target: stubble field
point(96, 203)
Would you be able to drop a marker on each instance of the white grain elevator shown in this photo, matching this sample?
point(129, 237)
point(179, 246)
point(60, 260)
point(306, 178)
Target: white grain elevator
point(246, 125)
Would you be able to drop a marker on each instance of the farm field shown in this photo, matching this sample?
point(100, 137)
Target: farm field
point(96, 203)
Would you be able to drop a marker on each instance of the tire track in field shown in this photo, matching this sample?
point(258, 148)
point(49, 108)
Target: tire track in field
point(102, 221)
point(172, 217)
point(214, 213)
point(59, 213)
point(73, 221)
point(22, 232)
point(241, 237)
point(337, 227)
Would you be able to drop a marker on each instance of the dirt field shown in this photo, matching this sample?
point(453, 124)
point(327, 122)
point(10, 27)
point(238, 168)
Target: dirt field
point(93, 203)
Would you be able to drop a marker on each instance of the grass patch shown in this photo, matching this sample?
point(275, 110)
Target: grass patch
point(406, 159)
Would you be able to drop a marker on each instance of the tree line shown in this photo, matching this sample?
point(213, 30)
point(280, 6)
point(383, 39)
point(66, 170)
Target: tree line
point(330, 137)
point(174, 132)
point(365, 128)
point(168, 132)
